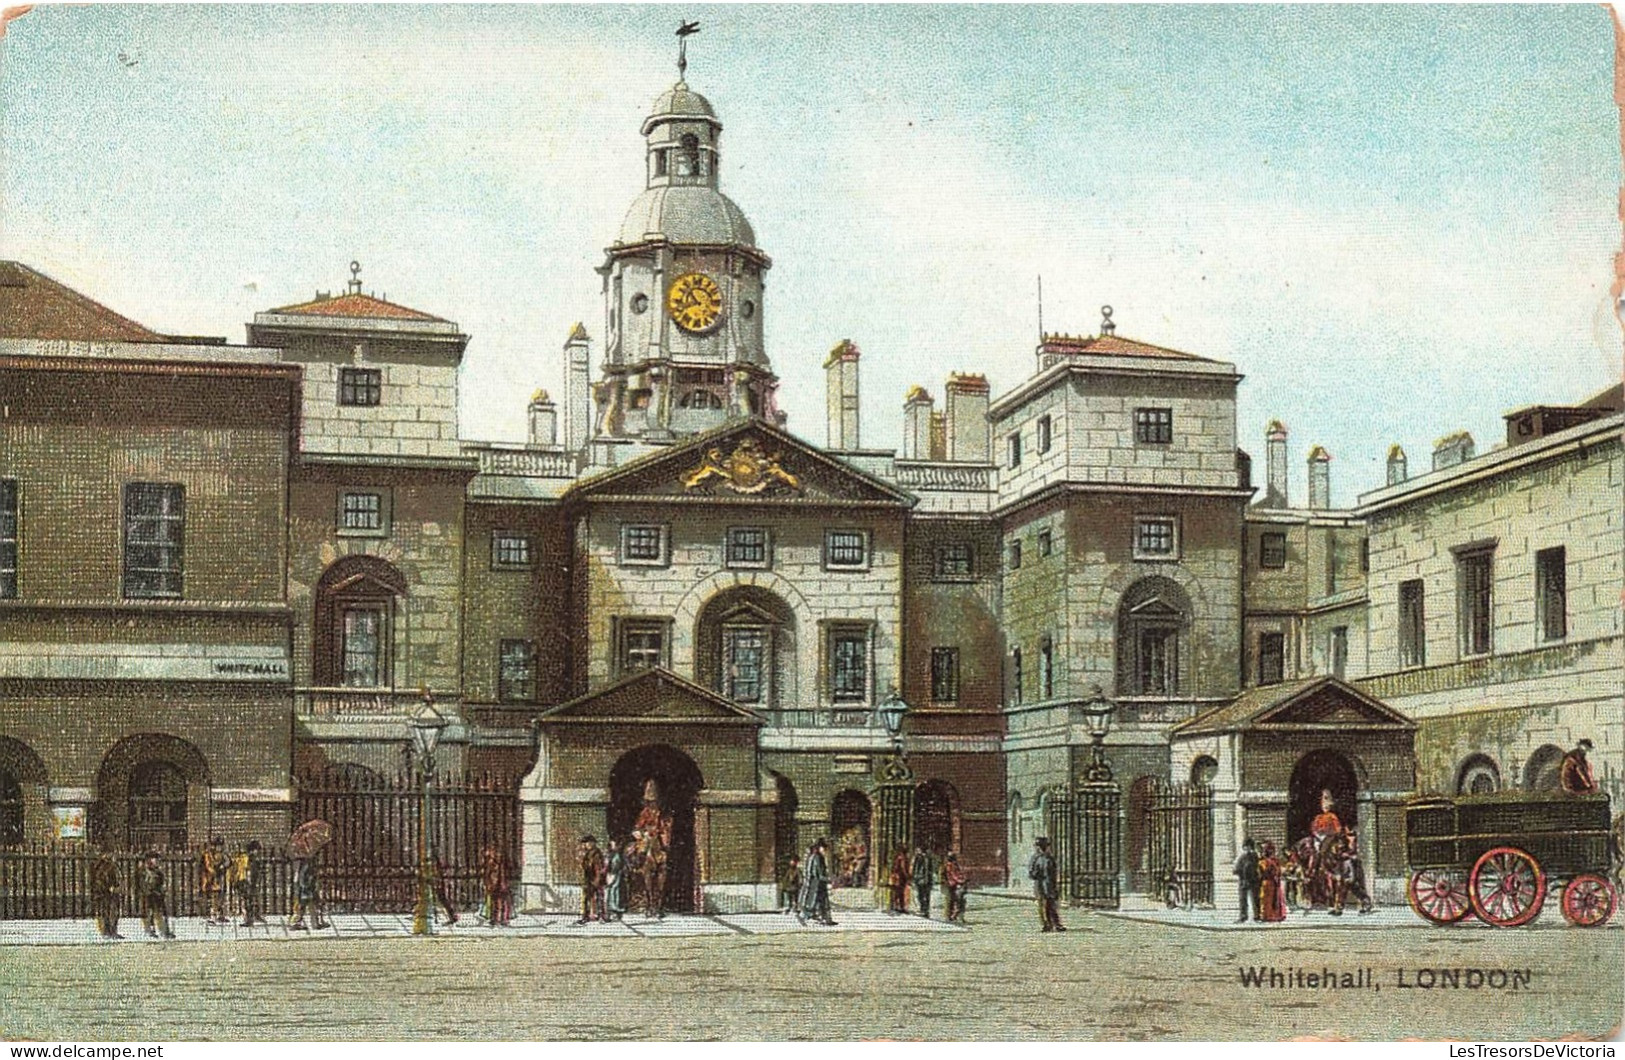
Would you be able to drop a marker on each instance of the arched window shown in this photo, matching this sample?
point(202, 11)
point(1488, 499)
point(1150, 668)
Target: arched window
point(1478, 775)
point(355, 623)
point(688, 157)
point(1204, 770)
point(1542, 773)
point(1151, 623)
point(11, 809)
point(157, 810)
point(745, 647)
point(700, 399)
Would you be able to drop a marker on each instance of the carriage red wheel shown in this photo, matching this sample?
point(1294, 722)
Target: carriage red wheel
point(1507, 887)
point(1439, 895)
point(1588, 900)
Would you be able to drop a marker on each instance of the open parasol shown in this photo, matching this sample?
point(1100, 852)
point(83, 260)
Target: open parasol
point(309, 837)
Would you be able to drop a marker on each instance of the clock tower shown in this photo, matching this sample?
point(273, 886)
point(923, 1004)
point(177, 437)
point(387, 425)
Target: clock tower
point(683, 292)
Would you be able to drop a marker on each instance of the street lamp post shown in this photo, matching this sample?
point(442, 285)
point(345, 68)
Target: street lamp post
point(894, 784)
point(1097, 848)
point(426, 727)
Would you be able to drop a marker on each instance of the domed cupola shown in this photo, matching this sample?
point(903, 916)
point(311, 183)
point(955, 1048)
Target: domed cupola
point(683, 289)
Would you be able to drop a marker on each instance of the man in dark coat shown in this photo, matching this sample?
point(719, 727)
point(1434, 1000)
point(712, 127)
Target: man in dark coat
point(104, 894)
point(924, 871)
point(815, 902)
point(1249, 879)
point(593, 870)
point(1574, 774)
point(790, 887)
point(1041, 869)
point(154, 906)
point(307, 896)
point(249, 869)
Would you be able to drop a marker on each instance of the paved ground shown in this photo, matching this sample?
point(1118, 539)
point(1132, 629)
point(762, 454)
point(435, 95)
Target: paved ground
point(1107, 977)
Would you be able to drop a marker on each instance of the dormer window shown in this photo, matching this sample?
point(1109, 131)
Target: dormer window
point(660, 163)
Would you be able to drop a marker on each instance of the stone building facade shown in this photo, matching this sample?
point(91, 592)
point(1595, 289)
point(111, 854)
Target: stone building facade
point(663, 594)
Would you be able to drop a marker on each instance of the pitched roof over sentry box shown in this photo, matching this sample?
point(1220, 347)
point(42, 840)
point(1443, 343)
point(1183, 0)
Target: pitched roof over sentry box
point(654, 697)
point(34, 306)
point(1306, 705)
point(750, 460)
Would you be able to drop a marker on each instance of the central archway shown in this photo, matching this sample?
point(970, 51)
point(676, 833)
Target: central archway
point(676, 785)
point(1319, 771)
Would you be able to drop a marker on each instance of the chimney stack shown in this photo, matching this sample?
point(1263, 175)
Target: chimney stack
point(841, 402)
point(544, 420)
point(1320, 478)
point(917, 412)
point(1275, 491)
point(1452, 449)
point(577, 391)
point(965, 424)
point(1396, 465)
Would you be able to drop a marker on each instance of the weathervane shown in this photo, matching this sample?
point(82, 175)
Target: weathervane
point(355, 277)
point(685, 30)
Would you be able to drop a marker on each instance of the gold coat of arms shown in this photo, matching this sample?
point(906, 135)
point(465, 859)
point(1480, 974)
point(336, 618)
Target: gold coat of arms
point(746, 470)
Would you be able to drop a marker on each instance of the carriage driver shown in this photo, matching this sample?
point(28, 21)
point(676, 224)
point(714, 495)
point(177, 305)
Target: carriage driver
point(1575, 773)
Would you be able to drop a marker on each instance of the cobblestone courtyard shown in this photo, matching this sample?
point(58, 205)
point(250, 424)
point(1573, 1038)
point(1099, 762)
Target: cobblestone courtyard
point(1107, 977)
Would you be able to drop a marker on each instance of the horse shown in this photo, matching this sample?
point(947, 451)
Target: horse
point(648, 865)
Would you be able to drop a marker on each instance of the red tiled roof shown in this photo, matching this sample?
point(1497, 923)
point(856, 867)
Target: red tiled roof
point(1111, 346)
point(34, 306)
point(355, 304)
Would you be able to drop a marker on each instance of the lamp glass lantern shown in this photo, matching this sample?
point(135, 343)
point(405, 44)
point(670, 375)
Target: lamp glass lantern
point(1097, 713)
point(891, 711)
point(427, 725)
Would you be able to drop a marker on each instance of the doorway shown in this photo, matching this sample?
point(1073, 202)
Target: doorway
point(1319, 771)
point(667, 781)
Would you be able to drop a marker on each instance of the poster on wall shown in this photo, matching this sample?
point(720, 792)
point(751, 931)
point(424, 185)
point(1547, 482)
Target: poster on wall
point(69, 821)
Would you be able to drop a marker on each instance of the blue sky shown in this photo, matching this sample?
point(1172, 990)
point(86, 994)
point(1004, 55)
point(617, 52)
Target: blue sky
point(1396, 221)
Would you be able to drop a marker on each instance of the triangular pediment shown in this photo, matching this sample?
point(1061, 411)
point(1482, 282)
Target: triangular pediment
point(1309, 704)
point(652, 696)
point(747, 461)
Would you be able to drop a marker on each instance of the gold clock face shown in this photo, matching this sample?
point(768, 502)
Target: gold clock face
point(695, 302)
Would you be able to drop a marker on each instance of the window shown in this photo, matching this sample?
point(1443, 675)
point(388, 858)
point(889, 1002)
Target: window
point(1474, 571)
point(944, 675)
point(361, 514)
point(1272, 550)
point(643, 644)
point(1043, 434)
point(154, 536)
point(362, 635)
point(1151, 619)
point(516, 671)
point(510, 551)
point(747, 547)
point(1551, 588)
point(1015, 553)
point(1014, 443)
point(1046, 669)
point(745, 657)
point(1158, 671)
point(849, 664)
point(8, 538)
point(953, 561)
point(1365, 555)
point(360, 386)
point(846, 550)
point(1337, 651)
point(1015, 675)
point(157, 807)
point(1046, 542)
point(1154, 426)
point(1412, 635)
point(11, 810)
point(1156, 537)
point(1271, 658)
point(645, 545)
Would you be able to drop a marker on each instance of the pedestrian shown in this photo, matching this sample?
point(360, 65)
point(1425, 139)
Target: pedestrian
point(1574, 774)
point(215, 867)
point(924, 872)
point(615, 881)
point(104, 894)
point(440, 887)
point(248, 873)
point(815, 899)
point(1271, 897)
point(1292, 881)
point(790, 887)
point(953, 882)
point(154, 906)
point(1353, 872)
point(592, 879)
point(494, 877)
point(897, 883)
point(1246, 873)
point(307, 896)
point(1041, 870)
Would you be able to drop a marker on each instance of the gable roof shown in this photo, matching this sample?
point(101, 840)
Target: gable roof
point(358, 305)
point(1307, 704)
point(34, 306)
point(670, 465)
point(654, 696)
point(1111, 346)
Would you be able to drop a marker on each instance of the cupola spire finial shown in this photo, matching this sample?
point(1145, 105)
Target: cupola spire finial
point(685, 30)
point(355, 277)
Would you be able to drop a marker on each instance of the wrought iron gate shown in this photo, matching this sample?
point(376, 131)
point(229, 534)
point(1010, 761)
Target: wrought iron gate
point(1179, 843)
point(1086, 837)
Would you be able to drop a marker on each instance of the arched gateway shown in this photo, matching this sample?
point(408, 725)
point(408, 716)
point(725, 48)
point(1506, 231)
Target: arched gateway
point(653, 788)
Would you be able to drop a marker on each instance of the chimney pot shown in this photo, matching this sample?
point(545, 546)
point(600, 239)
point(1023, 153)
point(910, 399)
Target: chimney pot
point(1320, 478)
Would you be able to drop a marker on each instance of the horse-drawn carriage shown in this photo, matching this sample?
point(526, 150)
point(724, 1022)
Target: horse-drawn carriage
point(1496, 856)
